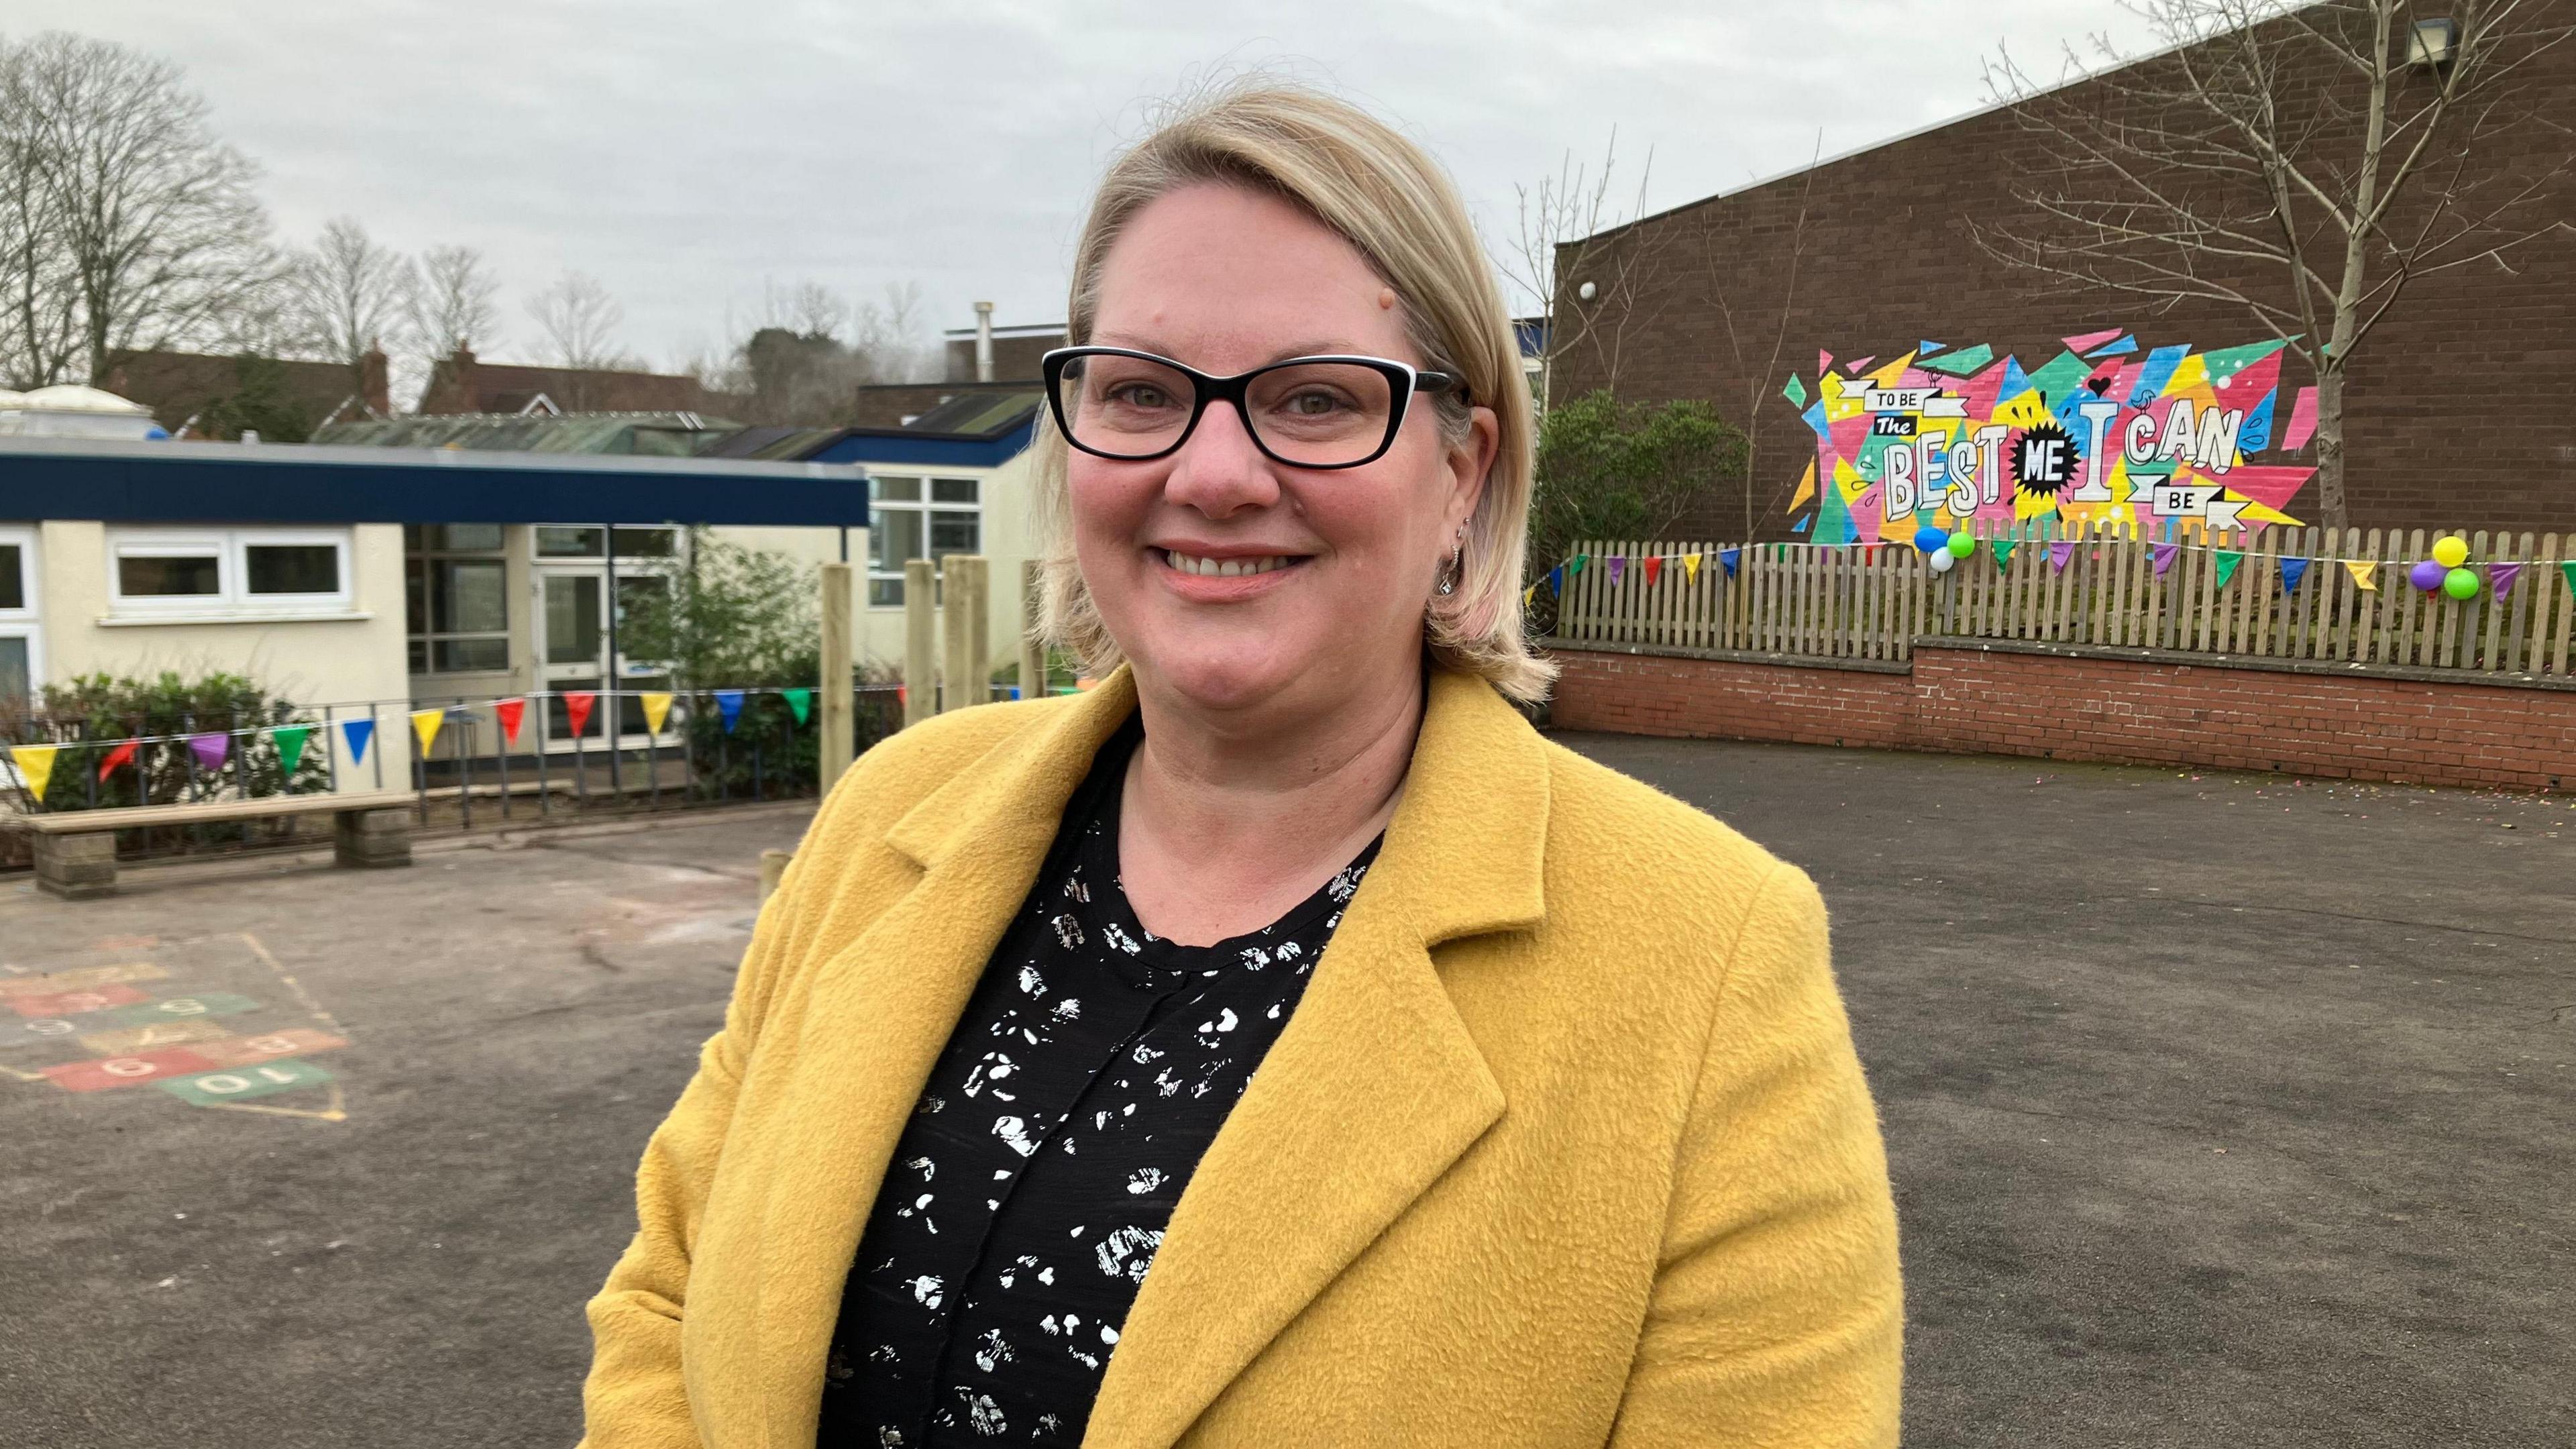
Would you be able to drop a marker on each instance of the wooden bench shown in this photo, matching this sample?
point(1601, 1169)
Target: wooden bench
point(76, 849)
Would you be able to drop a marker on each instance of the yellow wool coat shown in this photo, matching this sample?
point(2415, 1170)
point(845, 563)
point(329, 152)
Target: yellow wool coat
point(1566, 1143)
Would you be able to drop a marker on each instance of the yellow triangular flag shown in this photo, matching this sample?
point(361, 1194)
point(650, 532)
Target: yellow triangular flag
point(2365, 574)
point(35, 766)
point(1690, 566)
point(424, 724)
point(657, 708)
point(1529, 596)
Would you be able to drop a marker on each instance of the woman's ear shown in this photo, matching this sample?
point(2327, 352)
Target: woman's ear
point(1470, 461)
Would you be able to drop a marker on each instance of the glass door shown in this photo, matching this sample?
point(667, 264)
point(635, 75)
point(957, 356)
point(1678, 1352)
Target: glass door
point(22, 642)
point(572, 639)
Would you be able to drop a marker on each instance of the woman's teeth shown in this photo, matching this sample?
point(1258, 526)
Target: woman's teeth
point(1223, 568)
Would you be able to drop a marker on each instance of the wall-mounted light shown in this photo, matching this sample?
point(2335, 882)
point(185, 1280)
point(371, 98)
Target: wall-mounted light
point(2431, 44)
point(1586, 291)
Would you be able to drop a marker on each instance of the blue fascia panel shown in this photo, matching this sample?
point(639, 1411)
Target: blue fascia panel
point(929, 450)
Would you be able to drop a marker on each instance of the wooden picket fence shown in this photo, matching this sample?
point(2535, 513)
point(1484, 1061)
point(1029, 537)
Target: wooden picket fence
point(1872, 603)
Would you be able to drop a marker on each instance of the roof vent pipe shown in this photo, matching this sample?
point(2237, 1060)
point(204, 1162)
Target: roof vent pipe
point(983, 342)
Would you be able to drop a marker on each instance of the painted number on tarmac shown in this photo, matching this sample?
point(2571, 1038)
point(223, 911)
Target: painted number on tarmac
point(107, 1072)
point(73, 1003)
point(285, 1074)
point(177, 1008)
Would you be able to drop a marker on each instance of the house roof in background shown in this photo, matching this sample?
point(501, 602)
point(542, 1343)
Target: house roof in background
point(464, 383)
point(653, 434)
point(179, 387)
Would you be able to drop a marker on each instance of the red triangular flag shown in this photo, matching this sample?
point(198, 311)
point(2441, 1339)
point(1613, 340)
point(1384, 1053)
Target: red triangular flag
point(118, 756)
point(1654, 569)
point(511, 711)
point(577, 709)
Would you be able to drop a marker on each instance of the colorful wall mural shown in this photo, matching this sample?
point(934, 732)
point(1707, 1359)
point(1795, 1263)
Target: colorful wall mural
point(2169, 437)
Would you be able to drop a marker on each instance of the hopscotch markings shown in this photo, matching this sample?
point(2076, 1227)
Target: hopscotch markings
point(223, 1089)
point(293, 986)
point(110, 1072)
point(125, 1041)
point(248, 1051)
point(75, 1003)
point(222, 1054)
point(86, 976)
point(204, 1003)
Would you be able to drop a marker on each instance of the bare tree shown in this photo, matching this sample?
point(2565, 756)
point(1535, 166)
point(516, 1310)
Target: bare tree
point(39, 325)
point(133, 220)
point(891, 339)
point(2306, 162)
point(579, 321)
point(353, 296)
point(1575, 255)
point(456, 303)
point(1746, 319)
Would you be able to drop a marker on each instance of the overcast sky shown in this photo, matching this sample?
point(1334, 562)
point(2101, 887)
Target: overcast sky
point(688, 153)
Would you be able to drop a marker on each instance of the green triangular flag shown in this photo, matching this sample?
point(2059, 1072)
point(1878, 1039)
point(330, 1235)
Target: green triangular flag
point(290, 746)
point(1580, 560)
point(2569, 569)
point(2003, 548)
point(2228, 559)
point(799, 700)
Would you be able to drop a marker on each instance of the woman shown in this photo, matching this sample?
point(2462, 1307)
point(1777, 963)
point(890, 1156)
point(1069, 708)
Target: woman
point(1557, 1136)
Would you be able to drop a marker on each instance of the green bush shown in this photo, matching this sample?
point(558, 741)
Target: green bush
point(89, 715)
point(1608, 469)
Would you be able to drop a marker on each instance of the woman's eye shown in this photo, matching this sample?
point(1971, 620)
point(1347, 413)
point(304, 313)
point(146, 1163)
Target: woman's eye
point(1313, 404)
point(1140, 395)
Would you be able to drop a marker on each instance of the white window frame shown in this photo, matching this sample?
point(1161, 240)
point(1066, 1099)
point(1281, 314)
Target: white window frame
point(924, 507)
point(232, 600)
point(27, 623)
point(430, 638)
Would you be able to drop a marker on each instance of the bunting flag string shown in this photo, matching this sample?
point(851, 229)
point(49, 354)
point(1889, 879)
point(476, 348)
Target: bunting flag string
point(357, 732)
point(1556, 581)
point(1618, 566)
point(1728, 558)
point(799, 703)
point(2229, 561)
point(211, 749)
point(1580, 560)
point(120, 755)
point(2163, 555)
point(290, 746)
point(2293, 572)
point(729, 705)
point(1654, 569)
point(511, 713)
point(2502, 575)
point(35, 766)
point(2003, 548)
point(2365, 574)
point(2059, 551)
point(577, 706)
point(657, 710)
point(2569, 569)
point(1690, 566)
point(1529, 596)
point(424, 725)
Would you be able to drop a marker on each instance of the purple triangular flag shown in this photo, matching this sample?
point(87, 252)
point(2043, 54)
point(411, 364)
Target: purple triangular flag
point(211, 750)
point(2164, 554)
point(2502, 576)
point(2059, 551)
point(1618, 566)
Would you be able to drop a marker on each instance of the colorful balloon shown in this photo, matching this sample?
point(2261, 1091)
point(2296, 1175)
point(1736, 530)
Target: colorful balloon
point(2450, 551)
point(1942, 560)
point(1962, 546)
point(2427, 575)
point(2460, 584)
point(1930, 539)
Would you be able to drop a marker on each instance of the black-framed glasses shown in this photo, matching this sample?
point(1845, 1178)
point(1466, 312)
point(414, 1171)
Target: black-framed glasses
point(1305, 412)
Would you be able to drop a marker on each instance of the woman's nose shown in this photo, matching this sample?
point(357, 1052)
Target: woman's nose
point(1220, 470)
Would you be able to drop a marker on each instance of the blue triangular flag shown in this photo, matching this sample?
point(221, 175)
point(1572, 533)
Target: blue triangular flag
point(1728, 558)
point(2292, 570)
point(729, 704)
point(359, 731)
point(1556, 581)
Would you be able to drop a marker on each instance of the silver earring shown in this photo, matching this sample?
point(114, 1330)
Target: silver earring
point(1449, 576)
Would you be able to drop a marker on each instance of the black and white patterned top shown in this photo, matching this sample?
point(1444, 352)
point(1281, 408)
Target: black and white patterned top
point(1031, 1186)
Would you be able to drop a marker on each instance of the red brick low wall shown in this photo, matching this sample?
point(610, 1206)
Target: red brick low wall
point(2123, 706)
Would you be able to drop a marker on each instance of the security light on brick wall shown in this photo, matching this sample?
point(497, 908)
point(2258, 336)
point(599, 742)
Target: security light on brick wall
point(1586, 291)
point(2429, 45)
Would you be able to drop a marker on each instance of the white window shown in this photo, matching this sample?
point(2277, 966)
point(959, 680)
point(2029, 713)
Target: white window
point(22, 644)
point(456, 598)
point(220, 573)
point(913, 518)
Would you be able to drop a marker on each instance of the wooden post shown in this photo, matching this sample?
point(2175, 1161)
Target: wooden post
point(964, 632)
point(1033, 680)
point(773, 869)
point(839, 732)
point(920, 641)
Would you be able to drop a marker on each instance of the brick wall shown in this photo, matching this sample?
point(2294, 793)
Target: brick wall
point(2122, 706)
point(1721, 299)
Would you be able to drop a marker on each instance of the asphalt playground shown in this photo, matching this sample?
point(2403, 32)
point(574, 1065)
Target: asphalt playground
point(2224, 1110)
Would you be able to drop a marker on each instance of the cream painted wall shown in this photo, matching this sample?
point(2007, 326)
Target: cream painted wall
point(339, 659)
point(1008, 539)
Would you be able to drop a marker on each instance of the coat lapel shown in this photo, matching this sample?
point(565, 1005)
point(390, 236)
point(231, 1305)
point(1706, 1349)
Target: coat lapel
point(1371, 1092)
point(880, 1012)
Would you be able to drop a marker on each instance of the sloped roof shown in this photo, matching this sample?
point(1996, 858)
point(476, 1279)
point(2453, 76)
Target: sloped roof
point(651, 434)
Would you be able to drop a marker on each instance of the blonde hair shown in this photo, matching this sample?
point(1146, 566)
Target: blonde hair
point(1384, 195)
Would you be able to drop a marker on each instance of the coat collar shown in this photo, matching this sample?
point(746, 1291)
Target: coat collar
point(1368, 1095)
